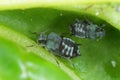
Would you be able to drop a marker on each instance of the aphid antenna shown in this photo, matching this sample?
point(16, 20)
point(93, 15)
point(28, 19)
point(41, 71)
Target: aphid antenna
point(87, 7)
point(87, 20)
point(77, 20)
point(103, 25)
point(44, 32)
point(65, 33)
point(36, 33)
point(79, 44)
point(30, 46)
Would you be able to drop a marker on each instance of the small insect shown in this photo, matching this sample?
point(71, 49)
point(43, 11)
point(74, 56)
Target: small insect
point(62, 46)
point(86, 29)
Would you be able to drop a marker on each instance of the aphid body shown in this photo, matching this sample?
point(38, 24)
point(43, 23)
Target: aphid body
point(62, 46)
point(86, 29)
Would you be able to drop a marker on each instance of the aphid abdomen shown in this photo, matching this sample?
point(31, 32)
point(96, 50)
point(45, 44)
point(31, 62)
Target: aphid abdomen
point(68, 48)
point(83, 30)
point(80, 29)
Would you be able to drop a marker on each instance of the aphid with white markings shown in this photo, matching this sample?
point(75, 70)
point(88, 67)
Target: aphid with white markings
point(62, 46)
point(86, 29)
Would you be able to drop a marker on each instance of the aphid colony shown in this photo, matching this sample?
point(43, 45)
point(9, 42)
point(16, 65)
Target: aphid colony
point(66, 47)
point(86, 29)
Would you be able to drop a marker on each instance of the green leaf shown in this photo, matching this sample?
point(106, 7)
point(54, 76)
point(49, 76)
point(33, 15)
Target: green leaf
point(100, 60)
point(19, 64)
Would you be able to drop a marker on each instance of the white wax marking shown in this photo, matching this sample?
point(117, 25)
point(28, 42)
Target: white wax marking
point(113, 63)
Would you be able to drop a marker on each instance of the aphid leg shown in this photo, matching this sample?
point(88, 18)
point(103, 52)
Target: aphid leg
point(103, 25)
point(53, 54)
point(30, 46)
point(55, 59)
point(89, 6)
point(71, 62)
point(43, 46)
point(71, 34)
point(86, 20)
point(36, 33)
point(77, 20)
point(98, 39)
point(57, 62)
point(62, 57)
point(78, 44)
point(65, 34)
